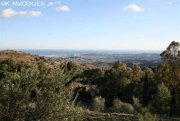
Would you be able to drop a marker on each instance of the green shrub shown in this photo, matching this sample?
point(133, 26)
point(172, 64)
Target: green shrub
point(121, 107)
point(127, 108)
point(31, 96)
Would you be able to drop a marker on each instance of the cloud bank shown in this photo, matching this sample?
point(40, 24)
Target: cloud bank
point(9, 13)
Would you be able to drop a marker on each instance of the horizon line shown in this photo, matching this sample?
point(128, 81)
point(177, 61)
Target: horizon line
point(80, 49)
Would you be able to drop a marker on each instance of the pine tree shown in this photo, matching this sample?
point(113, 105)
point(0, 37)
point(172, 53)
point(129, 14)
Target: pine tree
point(161, 101)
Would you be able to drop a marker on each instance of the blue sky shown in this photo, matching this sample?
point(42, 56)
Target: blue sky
point(91, 24)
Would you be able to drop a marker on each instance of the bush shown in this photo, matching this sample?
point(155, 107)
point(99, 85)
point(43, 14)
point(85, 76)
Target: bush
point(98, 104)
point(121, 107)
point(127, 108)
point(31, 97)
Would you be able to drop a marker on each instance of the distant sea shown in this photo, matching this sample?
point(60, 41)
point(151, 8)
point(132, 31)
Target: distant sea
point(83, 52)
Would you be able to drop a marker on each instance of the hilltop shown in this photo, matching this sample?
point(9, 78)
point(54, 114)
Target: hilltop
point(20, 56)
point(17, 55)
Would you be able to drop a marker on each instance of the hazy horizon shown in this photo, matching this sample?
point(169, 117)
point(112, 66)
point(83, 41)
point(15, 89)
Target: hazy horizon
point(58, 52)
point(80, 50)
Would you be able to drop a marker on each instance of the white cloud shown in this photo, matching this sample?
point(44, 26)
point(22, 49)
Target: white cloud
point(133, 7)
point(54, 3)
point(63, 8)
point(9, 13)
point(58, 7)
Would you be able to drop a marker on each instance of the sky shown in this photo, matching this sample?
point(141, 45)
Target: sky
point(89, 24)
